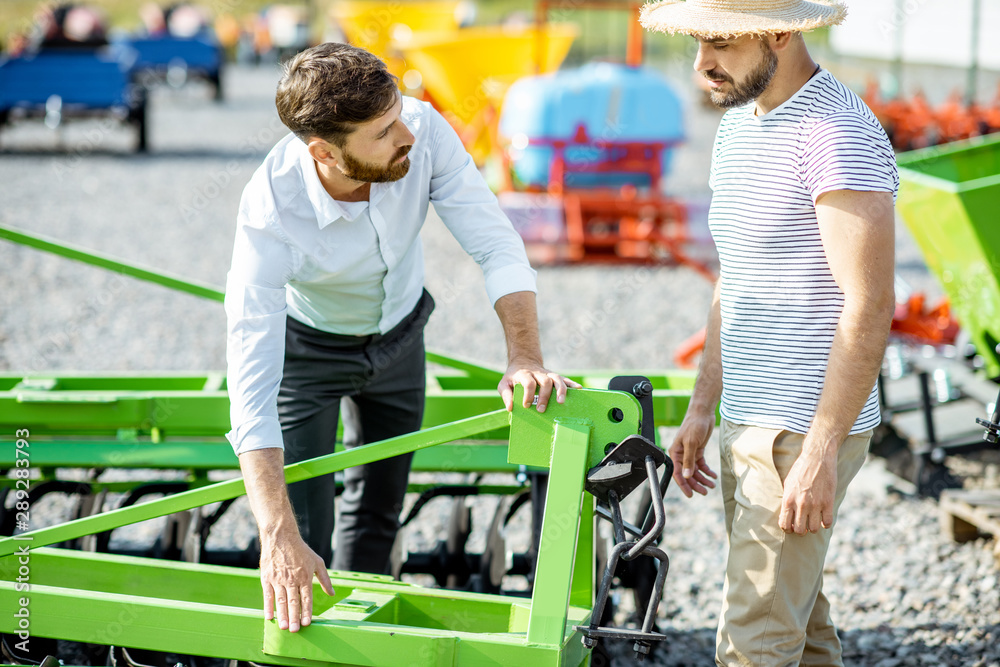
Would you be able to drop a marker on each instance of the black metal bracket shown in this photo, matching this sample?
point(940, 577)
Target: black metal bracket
point(15, 656)
point(640, 387)
point(992, 434)
point(624, 468)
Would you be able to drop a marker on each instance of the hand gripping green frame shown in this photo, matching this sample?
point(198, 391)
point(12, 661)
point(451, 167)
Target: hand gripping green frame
point(371, 620)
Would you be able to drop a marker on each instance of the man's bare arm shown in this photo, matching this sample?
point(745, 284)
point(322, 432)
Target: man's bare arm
point(287, 564)
point(708, 387)
point(519, 318)
point(691, 471)
point(858, 232)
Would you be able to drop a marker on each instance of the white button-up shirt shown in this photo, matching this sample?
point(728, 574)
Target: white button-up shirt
point(353, 268)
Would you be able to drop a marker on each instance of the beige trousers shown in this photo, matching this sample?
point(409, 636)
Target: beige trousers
point(774, 613)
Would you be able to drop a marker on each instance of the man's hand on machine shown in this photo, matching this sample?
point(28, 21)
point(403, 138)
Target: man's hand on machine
point(287, 567)
point(532, 376)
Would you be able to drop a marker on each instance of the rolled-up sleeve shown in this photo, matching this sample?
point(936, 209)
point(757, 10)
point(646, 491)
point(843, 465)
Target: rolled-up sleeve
point(471, 212)
point(255, 346)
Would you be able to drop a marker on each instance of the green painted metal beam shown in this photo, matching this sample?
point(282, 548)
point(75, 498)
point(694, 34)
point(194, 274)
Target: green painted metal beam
point(214, 611)
point(100, 453)
point(560, 521)
point(127, 486)
point(472, 369)
point(57, 247)
point(234, 488)
point(189, 405)
point(584, 563)
point(461, 456)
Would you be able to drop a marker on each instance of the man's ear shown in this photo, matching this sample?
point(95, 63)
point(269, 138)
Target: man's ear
point(322, 150)
point(781, 40)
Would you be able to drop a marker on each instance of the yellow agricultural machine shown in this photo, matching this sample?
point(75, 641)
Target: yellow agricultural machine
point(579, 155)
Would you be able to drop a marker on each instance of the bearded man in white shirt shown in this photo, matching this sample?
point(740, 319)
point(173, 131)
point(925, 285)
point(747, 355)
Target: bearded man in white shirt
point(325, 301)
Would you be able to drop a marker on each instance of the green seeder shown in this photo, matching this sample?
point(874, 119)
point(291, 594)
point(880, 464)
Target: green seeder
point(599, 443)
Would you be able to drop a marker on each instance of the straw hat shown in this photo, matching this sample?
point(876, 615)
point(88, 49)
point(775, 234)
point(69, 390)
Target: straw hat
point(732, 18)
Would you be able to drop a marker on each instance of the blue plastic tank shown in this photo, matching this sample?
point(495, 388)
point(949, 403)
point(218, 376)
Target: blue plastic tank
point(613, 102)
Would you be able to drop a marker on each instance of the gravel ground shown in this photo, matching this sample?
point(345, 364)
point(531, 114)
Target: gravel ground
point(901, 593)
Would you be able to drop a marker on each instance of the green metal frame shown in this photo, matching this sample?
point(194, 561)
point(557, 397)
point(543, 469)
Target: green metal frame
point(70, 251)
point(158, 405)
point(178, 420)
point(371, 620)
point(948, 199)
point(120, 414)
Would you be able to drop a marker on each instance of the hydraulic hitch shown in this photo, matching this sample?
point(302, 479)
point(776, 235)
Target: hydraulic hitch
point(626, 467)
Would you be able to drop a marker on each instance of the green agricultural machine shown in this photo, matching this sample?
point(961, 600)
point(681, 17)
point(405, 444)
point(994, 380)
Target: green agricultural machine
point(179, 602)
point(949, 199)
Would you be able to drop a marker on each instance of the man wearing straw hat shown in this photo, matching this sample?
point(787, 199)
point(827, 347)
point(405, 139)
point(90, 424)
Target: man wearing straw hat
point(804, 182)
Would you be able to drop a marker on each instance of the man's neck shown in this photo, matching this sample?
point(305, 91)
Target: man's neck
point(788, 80)
point(339, 186)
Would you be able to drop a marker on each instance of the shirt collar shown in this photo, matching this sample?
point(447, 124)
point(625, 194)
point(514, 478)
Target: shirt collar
point(813, 80)
point(328, 209)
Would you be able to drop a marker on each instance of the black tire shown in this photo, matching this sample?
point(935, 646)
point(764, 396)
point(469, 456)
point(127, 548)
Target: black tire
point(600, 656)
point(140, 120)
point(216, 81)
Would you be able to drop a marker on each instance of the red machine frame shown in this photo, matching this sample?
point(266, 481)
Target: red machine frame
point(613, 224)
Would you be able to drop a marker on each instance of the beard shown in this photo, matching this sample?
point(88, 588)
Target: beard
point(357, 169)
point(752, 87)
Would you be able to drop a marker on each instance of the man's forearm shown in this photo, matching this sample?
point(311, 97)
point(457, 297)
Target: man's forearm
point(264, 477)
point(519, 317)
point(708, 387)
point(853, 367)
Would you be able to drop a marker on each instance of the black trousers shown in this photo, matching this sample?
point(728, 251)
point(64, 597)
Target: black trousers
point(382, 381)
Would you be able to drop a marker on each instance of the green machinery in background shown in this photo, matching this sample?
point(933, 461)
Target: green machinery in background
point(949, 199)
point(177, 421)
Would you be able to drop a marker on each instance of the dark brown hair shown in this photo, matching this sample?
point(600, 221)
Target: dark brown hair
point(327, 89)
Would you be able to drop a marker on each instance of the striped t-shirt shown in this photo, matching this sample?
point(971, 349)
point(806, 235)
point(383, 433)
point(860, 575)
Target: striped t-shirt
point(780, 304)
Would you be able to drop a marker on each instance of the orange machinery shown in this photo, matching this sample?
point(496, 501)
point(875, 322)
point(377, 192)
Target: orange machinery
point(912, 123)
